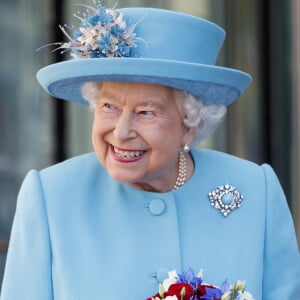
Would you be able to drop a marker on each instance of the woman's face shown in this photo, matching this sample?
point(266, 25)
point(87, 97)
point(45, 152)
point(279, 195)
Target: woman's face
point(137, 134)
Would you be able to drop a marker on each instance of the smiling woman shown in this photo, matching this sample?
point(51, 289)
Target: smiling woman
point(128, 118)
point(148, 108)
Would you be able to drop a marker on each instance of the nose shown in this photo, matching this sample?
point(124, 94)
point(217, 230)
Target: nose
point(125, 127)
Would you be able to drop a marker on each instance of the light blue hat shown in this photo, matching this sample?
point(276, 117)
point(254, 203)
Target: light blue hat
point(145, 45)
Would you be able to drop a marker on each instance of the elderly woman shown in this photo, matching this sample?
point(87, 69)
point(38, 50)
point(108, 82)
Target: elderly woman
point(111, 224)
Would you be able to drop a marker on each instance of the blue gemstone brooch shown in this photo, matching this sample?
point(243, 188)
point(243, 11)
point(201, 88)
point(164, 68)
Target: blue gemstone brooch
point(225, 199)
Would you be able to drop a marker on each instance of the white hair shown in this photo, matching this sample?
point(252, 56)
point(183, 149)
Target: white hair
point(91, 92)
point(202, 117)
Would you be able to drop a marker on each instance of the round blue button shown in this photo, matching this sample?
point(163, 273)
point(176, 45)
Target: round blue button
point(157, 207)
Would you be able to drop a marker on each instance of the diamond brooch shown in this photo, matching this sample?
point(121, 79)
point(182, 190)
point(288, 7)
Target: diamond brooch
point(225, 199)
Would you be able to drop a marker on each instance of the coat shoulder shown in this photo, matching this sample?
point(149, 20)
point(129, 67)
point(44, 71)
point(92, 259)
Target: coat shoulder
point(69, 167)
point(80, 172)
point(231, 163)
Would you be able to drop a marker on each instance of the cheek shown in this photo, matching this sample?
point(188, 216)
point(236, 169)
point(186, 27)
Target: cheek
point(100, 127)
point(173, 132)
point(94, 136)
point(165, 140)
point(98, 132)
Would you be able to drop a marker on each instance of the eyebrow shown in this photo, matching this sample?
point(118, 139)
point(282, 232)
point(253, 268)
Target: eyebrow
point(149, 100)
point(109, 95)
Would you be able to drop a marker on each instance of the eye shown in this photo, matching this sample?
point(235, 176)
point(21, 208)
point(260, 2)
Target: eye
point(107, 107)
point(147, 113)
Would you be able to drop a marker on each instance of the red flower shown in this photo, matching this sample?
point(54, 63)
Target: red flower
point(202, 289)
point(156, 295)
point(176, 289)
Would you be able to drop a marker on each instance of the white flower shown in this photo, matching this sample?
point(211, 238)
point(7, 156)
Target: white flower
point(161, 290)
point(246, 296)
point(119, 20)
point(200, 274)
point(173, 274)
point(173, 277)
point(226, 296)
point(171, 298)
point(89, 36)
point(240, 285)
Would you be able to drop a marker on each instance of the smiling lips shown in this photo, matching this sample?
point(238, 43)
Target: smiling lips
point(127, 155)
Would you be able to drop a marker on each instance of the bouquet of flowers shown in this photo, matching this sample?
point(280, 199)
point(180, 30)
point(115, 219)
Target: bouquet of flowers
point(187, 286)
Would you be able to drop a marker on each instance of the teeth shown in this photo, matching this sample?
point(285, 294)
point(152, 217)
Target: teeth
point(128, 154)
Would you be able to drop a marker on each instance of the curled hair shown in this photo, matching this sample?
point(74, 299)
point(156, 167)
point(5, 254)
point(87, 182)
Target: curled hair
point(202, 117)
point(91, 92)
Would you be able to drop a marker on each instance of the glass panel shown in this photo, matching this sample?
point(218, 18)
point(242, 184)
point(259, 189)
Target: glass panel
point(295, 169)
point(25, 115)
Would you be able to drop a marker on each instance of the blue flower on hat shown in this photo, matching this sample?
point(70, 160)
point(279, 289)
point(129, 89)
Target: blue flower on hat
point(94, 20)
point(124, 50)
point(104, 42)
point(102, 33)
point(117, 31)
point(95, 54)
point(104, 17)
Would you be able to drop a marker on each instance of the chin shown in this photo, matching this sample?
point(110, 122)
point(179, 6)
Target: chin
point(125, 177)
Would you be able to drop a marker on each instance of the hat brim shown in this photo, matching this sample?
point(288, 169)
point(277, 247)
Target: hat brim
point(210, 83)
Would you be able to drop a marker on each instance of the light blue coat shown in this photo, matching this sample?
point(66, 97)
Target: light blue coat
point(80, 235)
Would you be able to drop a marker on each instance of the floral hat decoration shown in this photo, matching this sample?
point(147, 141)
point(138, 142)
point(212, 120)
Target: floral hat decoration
point(146, 45)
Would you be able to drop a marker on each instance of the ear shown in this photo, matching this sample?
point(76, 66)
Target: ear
point(188, 136)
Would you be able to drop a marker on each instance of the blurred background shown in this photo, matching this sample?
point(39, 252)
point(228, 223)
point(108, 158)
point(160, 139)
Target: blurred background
point(263, 39)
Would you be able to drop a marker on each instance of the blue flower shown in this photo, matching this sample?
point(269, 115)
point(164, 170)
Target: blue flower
point(190, 278)
point(124, 50)
point(96, 54)
point(104, 17)
point(105, 42)
point(212, 294)
point(94, 20)
point(225, 286)
point(117, 31)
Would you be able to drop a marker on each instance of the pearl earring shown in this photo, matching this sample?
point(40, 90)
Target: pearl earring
point(185, 148)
